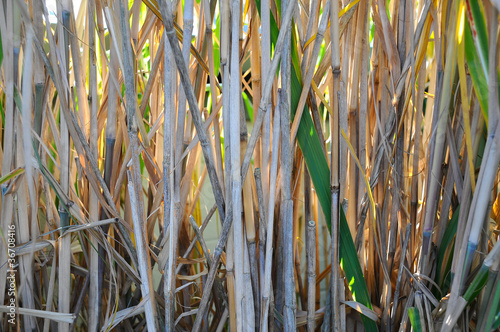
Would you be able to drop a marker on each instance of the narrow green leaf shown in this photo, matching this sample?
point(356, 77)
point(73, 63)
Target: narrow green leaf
point(415, 319)
point(448, 238)
point(11, 175)
point(477, 284)
point(216, 46)
point(476, 71)
point(248, 105)
point(479, 31)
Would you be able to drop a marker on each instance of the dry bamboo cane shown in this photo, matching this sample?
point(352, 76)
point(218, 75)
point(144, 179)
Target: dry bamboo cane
point(266, 128)
point(287, 206)
point(94, 294)
point(249, 308)
point(108, 171)
point(262, 234)
point(353, 119)
point(235, 95)
point(169, 221)
point(289, 275)
point(250, 225)
point(397, 183)
point(27, 286)
point(134, 176)
point(335, 163)
point(64, 281)
point(311, 274)
point(440, 118)
point(363, 103)
point(270, 225)
point(286, 178)
point(225, 42)
point(181, 118)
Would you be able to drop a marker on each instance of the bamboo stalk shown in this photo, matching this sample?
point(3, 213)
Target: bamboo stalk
point(262, 234)
point(64, 281)
point(236, 201)
point(311, 274)
point(134, 176)
point(336, 164)
point(94, 305)
point(170, 222)
point(181, 118)
point(250, 229)
point(27, 216)
point(266, 128)
point(270, 227)
point(444, 100)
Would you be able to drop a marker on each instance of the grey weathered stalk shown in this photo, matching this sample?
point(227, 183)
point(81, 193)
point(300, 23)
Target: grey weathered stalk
point(27, 283)
point(289, 273)
point(134, 176)
point(95, 295)
point(64, 281)
point(108, 162)
point(287, 270)
point(311, 274)
point(397, 172)
point(181, 110)
point(265, 68)
point(235, 96)
point(335, 163)
point(169, 220)
point(262, 230)
point(270, 225)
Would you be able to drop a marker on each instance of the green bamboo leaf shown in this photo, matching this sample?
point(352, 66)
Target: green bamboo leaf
point(479, 32)
point(491, 314)
point(216, 46)
point(12, 174)
point(477, 284)
point(476, 71)
point(248, 105)
point(448, 238)
point(496, 324)
point(415, 319)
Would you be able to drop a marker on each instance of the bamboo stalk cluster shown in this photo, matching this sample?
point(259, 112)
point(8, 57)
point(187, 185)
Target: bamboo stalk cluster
point(351, 150)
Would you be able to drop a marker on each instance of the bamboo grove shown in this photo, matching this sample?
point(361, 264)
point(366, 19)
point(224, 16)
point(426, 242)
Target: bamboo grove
point(342, 155)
